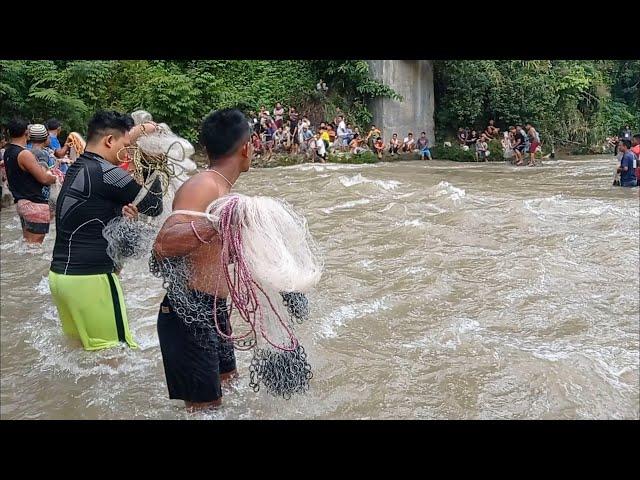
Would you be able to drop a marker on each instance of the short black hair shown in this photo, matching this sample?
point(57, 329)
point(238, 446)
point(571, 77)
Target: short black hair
point(17, 127)
point(53, 124)
point(637, 135)
point(626, 143)
point(107, 123)
point(423, 132)
point(223, 131)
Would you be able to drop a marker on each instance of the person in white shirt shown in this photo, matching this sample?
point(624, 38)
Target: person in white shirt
point(409, 143)
point(341, 133)
point(319, 146)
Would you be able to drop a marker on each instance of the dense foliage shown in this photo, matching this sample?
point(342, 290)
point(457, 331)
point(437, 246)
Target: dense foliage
point(571, 102)
point(182, 92)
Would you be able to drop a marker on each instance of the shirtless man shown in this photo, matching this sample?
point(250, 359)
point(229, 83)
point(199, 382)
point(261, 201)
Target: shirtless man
point(196, 358)
point(491, 131)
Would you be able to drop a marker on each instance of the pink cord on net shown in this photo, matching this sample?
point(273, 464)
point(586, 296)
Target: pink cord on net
point(243, 289)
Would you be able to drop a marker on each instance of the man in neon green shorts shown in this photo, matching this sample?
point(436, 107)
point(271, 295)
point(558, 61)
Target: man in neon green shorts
point(83, 279)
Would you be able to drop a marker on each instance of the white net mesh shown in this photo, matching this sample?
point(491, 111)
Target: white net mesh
point(169, 156)
point(266, 258)
point(269, 261)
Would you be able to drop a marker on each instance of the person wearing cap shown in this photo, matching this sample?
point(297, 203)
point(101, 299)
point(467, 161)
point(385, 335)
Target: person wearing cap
point(39, 140)
point(28, 179)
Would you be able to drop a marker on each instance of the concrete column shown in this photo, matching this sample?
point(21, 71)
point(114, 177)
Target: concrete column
point(413, 80)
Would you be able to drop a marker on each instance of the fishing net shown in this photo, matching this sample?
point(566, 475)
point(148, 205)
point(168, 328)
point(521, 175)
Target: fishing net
point(267, 260)
point(161, 163)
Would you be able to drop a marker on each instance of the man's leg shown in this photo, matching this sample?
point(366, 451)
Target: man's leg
point(35, 238)
point(33, 232)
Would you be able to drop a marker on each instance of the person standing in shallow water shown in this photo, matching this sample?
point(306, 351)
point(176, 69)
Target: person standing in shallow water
point(196, 359)
point(627, 168)
point(29, 182)
point(83, 278)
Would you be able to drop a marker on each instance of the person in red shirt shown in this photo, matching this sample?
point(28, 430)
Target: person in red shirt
point(635, 148)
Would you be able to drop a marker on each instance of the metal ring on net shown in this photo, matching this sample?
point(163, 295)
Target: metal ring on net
point(297, 305)
point(282, 373)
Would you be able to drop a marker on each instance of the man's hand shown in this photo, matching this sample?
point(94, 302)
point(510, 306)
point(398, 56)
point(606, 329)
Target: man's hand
point(130, 211)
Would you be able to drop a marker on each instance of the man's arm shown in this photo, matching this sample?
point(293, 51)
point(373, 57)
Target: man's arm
point(27, 161)
point(142, 129)
point(624, 165)
point(182, 234)
point(120, 187)
point(58, 150)
point(62, 151)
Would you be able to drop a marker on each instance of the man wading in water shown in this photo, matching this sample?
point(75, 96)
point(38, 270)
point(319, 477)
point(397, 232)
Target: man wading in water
point(196, 358)
point(83, 278)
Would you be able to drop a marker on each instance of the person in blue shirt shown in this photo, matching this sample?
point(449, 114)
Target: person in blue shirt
point(54, 127)
point(59, 151)
point(627, 168)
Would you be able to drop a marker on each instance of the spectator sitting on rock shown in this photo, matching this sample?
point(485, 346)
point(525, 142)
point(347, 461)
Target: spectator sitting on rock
point(257, 144)
point(423, 147)
point(409, 143)
point(379, 147)
point(481, 148)
point(394, 144)
point(355, 144)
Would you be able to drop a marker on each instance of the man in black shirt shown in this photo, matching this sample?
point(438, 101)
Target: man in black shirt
point(83, 277)
point(26, 178)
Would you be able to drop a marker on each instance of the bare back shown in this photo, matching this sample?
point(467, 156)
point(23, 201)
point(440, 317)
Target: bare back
point(196, 194)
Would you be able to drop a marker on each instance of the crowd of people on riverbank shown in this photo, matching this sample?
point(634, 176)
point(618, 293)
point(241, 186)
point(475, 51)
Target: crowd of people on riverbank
point(517, 142)
point(289, 132)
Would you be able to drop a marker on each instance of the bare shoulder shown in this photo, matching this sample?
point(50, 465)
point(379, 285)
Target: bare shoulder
point(26, 154)
point(196, 193)
point(26, 157)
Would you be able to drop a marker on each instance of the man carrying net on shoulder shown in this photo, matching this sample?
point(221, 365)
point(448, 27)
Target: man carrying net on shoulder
point(197, 359)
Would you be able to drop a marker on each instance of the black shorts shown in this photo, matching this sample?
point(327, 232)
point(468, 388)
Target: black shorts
point(194, 355)
point(39, 228)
